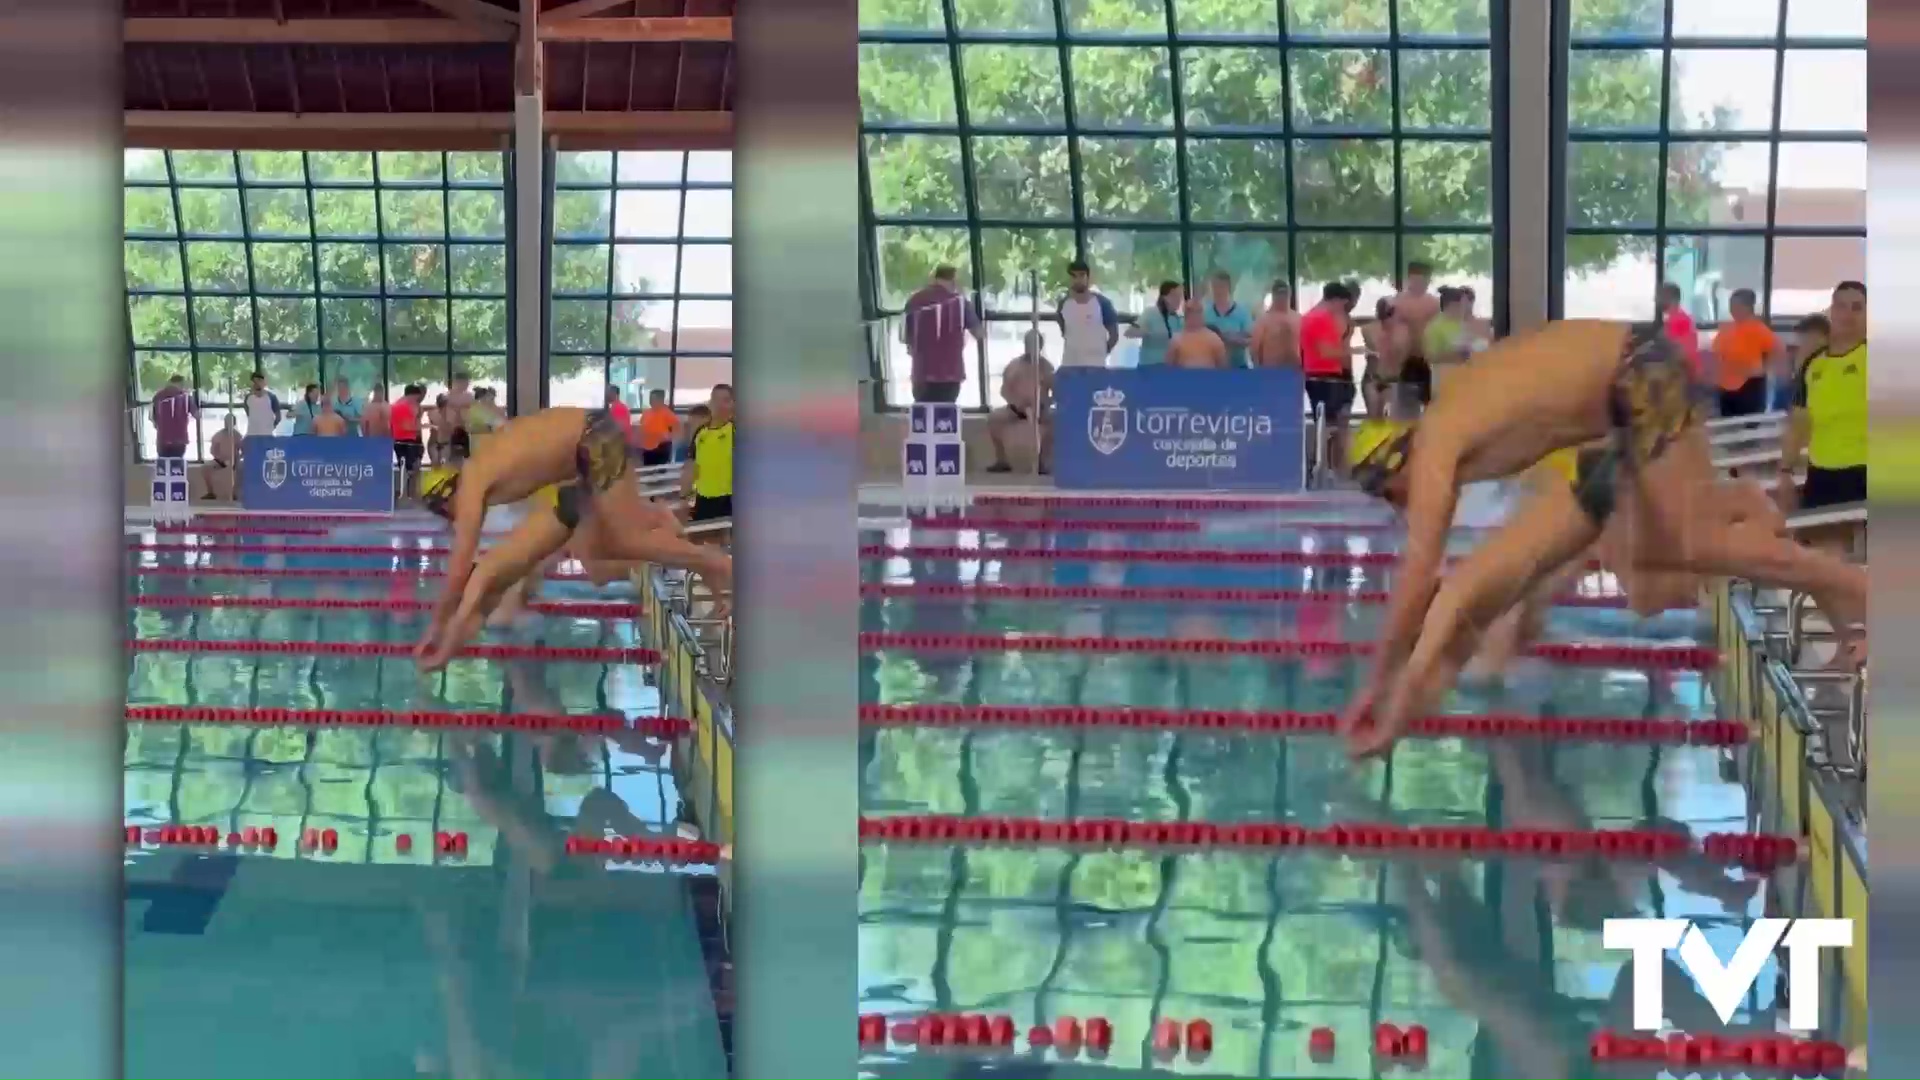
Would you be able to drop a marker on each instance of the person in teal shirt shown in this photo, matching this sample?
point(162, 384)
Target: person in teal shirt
point(1230, 319)
point(1158, 324)
point(308, 408)
point(346, 405)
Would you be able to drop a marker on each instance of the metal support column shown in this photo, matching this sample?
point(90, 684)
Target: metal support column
point(1529, 234)
point(529, 287)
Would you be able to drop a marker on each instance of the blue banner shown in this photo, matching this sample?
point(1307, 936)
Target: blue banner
point(349, 474)
point(1171, 429)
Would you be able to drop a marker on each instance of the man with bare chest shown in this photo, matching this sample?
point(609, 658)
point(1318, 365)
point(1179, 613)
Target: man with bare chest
point(1276, 333)
point(1196, 345)
point(1413, 309)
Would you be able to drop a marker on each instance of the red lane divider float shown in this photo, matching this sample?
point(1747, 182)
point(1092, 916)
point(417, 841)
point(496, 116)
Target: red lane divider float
point(659, 727)
point(1665, 658)
point(293, 549)
point(323, 841)
point(271, 522)
point(563, 609)
point(1692, 1053)
point(1162, 502)
point(1066, 1036)
point(1751, 850)
point(646, 849)
point(1166, 594)
point(1587, 728)
point(1183, 556)
point(1108, 525)
point(366, 573)
point(224, 529)
point(395, 649)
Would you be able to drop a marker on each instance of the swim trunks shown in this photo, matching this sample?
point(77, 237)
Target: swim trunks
point(601, 458)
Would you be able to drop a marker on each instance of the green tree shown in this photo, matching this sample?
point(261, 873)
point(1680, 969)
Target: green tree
point(1339, 186)
point(277, 261)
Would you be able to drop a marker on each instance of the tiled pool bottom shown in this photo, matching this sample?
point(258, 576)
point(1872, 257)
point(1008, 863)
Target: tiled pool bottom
point(1500, 959)
point(516, 960)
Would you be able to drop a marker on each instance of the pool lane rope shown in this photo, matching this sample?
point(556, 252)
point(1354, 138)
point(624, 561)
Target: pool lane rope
point(365, 573)
point(573, 609)
point(657, 727)
point(292, 549)
point(1176, 556)
point(1582, 728)
point(1165, 502)
point(255, 840)
point(395, 650)
point(1152, 594)
point(1657, 658)
point(1751, 850)
point(1126, 525)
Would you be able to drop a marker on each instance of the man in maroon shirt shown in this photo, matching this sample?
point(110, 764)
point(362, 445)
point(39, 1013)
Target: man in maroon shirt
point(172, 410)
point(934, 327)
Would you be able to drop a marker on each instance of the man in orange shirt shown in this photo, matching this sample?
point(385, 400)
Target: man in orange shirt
point(1744, 348)
point(658, 426)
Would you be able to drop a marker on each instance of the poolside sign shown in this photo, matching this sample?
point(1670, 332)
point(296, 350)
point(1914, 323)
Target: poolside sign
point(933, 461)
point(1725, 985)
point(1168, 429)
point(172, 496)
point(317, 474)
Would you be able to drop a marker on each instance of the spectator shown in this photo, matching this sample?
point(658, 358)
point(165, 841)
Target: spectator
point(698, 417)
point(439, 422)
point(305, 412)
point(709, 473)
point(659, 427)
point(1197, 346)
point(459, 400)
point(484, 416)
point(1226, 317)
point(1386, 352)
point(347, 405)
point(1327, 364)
point(1809, 338)
point(1744, 350)
point(263, 407)
point(223, 451)
point(1445, 338)
point(1276, 333)
point(934, 327)
point(618, 410)
point(376, 420)
point(1089, 326)
point(408, 450)
point(172, 411)
point(1026, 388)
point(328, 423)
point(1827, 428)
point(1157, 327)
point(1414, 308)
point(1679, 326)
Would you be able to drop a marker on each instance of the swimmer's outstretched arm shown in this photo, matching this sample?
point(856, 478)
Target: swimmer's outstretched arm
point(469, 520)
point(1431, 497)
point(520, 552)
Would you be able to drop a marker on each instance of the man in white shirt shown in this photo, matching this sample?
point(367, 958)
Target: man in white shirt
point(263, 408)
point(1089, 326)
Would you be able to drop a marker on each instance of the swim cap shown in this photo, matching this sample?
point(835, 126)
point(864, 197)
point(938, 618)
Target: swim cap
point(1380, 453)
point(437, 488)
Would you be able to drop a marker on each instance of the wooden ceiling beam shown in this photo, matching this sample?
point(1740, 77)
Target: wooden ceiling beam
point(475, 11)
point(421, 131)
point(580, 9)
point(638, 31)
point(223, 31)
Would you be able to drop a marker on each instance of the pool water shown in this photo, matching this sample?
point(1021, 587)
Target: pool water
point(1500, 959)
point(517, 960)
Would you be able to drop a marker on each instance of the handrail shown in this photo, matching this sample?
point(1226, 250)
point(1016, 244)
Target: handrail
point(1771, 455)
point(1724, 423)
point(1844, 514)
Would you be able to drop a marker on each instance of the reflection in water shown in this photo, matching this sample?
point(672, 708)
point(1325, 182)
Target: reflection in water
point(1500, 959)
point(515, 961)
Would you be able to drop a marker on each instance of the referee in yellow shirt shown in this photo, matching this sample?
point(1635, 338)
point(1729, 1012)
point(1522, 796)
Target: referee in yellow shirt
point(1827, 426)
point(709, 473)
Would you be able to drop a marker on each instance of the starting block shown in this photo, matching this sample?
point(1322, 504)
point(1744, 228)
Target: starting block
point(933, 462)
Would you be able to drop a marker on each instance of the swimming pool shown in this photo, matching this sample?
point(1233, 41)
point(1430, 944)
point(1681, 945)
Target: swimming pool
point(1499, 958)
point(383, 957)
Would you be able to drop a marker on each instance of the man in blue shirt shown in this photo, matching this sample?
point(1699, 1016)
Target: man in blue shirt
point(345, 405)
point(1230, 319)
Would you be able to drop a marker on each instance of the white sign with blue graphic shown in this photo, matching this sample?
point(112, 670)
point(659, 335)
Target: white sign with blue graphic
point(348, 474)
point(172, 496)
point(1170, 429)
point(933, 462)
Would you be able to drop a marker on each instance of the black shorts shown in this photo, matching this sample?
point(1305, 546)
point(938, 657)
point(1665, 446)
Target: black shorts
point(461, 442)
point(711, 509)
point(172, 450)
point(1833, 487)
point(936, 393)
point(1333, 395)
point(1417, 373)
point(408, 454)
point(659, 455)
point(1749, 400)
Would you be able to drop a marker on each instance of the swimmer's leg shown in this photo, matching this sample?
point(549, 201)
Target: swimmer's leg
point(623, 528)
point(1531, 550)
point(501, 567)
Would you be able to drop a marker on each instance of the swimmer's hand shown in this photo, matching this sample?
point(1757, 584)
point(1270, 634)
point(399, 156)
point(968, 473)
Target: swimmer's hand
point(1356, 723)
point(1375, 721)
